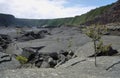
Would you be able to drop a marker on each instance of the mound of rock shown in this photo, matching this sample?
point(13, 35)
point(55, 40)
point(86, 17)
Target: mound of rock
point(13, 48)
point(4, 41)
point(31, 35)
point(46, 60)
point(8, 62)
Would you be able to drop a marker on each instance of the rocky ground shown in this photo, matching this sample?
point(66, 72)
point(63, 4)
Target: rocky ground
point(53, 41)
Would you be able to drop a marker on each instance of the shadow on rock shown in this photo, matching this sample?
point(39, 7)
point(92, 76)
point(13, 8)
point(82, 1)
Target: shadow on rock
point(4, 41)
point(33, 35)
point(111, 52)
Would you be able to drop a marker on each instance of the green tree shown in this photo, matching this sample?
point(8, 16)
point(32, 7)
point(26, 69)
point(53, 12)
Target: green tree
point(95, 32)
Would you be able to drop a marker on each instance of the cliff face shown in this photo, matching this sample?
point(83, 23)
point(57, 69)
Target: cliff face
point(111, 15)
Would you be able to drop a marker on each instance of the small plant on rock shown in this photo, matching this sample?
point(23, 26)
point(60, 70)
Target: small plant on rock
point(21, 59)
point(103, 49)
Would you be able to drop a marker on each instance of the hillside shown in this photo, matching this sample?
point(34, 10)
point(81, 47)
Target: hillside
point(110, 15)
point(6, 19)
point(91, 15)
point(102, 15)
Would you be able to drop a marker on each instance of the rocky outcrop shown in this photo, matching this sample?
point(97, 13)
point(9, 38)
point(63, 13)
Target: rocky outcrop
point(33, 35)
point(13, 48)
point(111, 15)
point(113, 28)
point(4, 41)
point(6, 19)
point(8, 62)
point(46, 60)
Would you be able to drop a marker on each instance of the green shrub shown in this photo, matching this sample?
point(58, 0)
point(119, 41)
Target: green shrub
point(103, 48)
point(21, 59)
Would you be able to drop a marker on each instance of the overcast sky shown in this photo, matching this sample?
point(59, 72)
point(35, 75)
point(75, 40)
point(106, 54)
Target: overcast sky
point(47, 9)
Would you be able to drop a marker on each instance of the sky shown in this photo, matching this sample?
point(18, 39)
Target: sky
point(48, 9)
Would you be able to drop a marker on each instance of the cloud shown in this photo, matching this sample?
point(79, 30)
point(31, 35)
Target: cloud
point(41, 9)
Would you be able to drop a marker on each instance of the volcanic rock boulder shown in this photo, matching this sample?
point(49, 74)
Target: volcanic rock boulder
point(4, 41)
point(33, 35)
point(46, 60)
point(31, 52)
point(13, 48)
point(8, 62)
